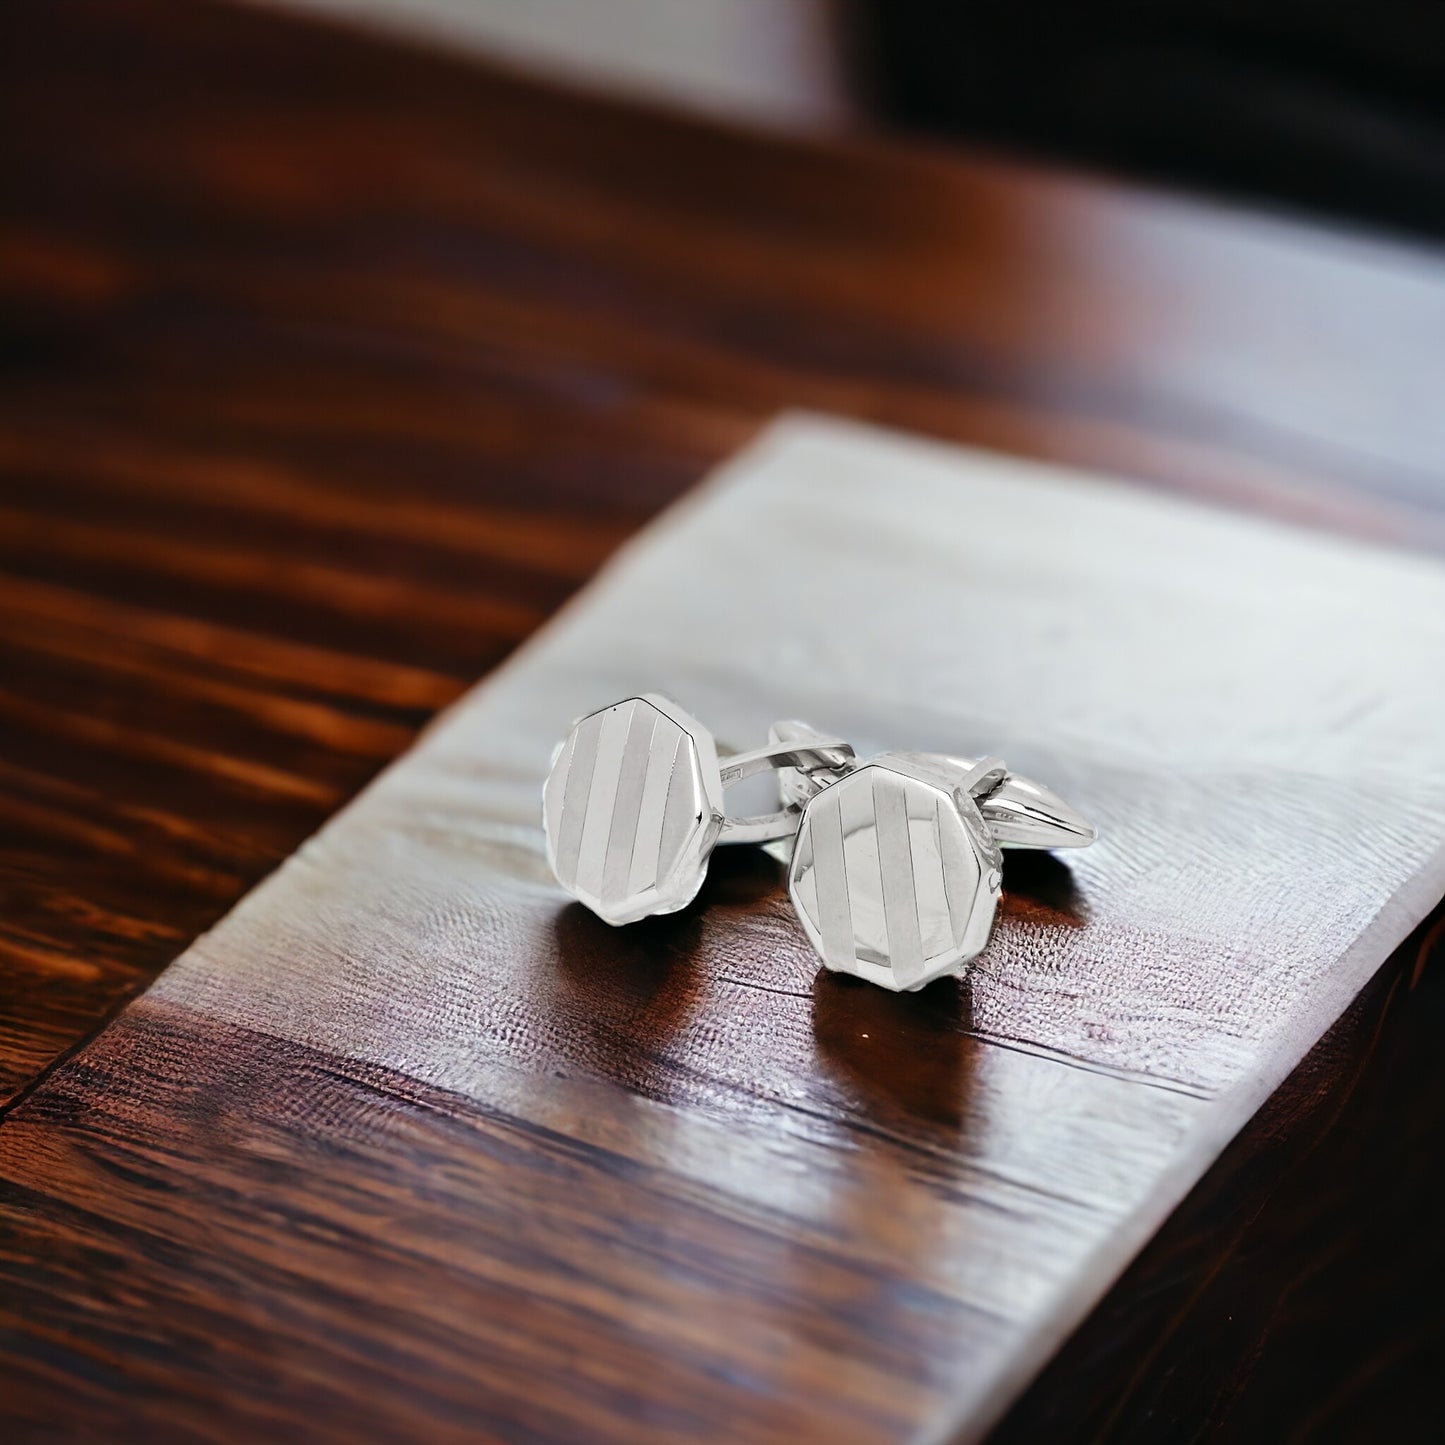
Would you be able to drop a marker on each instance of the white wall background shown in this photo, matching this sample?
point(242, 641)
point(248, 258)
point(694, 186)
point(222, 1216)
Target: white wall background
point(772, 62)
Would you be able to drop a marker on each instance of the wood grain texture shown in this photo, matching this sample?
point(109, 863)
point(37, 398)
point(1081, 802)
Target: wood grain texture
point(1213, 1334)
point(1272, 805)
point(329, 369)
point(863, 1253)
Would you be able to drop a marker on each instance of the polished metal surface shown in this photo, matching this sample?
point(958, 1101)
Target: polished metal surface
point(632, 808)
point(633, 805)
point(1020, 812)
point(810, 753)
point(896, 869)
point(894, 875)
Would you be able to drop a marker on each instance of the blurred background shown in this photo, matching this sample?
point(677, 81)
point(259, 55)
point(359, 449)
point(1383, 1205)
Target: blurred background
point(1307, 103)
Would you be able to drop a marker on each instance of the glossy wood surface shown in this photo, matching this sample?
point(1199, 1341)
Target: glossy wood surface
point(330, 370)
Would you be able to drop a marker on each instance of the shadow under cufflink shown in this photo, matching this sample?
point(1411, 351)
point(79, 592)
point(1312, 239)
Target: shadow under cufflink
point(741, 878)
point(633, 985)
point(649, 970)
point(625, 994)
point(905, 1056)
point(1039, 887)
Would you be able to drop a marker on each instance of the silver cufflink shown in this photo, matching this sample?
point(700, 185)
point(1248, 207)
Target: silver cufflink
point(896, 864)
point(633, 805)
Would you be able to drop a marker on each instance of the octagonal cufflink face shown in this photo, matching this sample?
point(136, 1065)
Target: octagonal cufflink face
point(894, 875)
point(632, 809)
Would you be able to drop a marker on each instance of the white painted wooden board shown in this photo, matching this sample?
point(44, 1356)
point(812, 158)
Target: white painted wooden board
point(1252, 715)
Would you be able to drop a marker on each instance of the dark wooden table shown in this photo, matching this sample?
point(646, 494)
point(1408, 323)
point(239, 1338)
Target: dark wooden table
point(328, 370)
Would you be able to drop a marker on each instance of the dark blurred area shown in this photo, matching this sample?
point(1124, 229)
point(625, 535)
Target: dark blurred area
point(1334, 107)
point(1333, 110)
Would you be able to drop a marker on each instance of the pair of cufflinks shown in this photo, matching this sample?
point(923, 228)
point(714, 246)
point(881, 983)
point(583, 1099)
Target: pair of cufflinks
point(895, 867)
